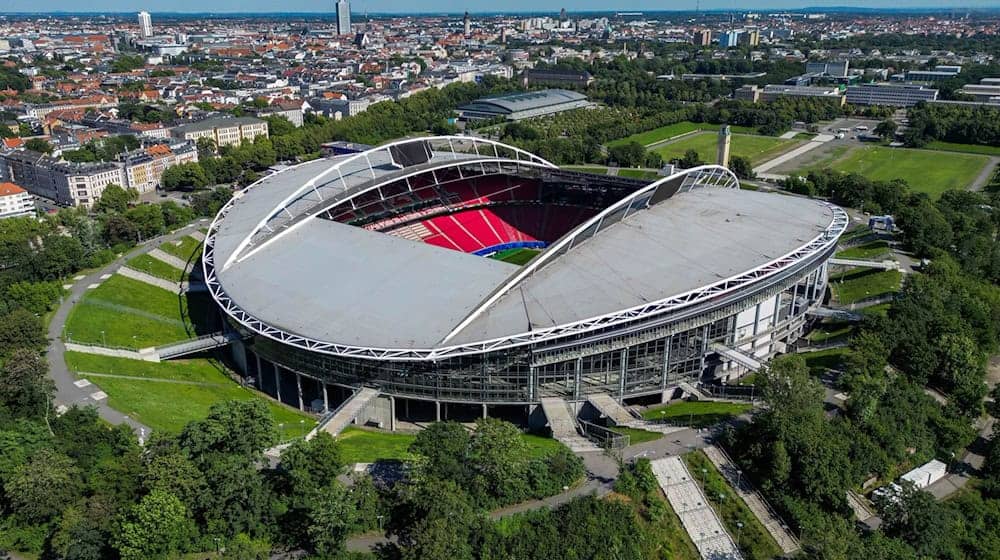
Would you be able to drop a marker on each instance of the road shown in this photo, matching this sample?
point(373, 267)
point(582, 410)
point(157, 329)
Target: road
point(985, 175)
point(68, 393)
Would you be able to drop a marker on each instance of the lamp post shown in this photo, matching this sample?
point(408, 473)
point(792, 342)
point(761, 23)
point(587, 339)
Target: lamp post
point(281, 431)
point(739, 529)
point(104, 339)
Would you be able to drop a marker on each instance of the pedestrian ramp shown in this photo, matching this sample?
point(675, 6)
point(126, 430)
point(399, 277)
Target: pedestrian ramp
point(346, 413)
point(563, 425)
point(740, 358)
point(696, 514)
point(883, 265)
point(611, 409)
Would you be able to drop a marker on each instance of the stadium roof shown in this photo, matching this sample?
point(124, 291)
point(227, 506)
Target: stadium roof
point(346, 285)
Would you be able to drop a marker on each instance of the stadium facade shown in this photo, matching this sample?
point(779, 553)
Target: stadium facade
point(375, 270)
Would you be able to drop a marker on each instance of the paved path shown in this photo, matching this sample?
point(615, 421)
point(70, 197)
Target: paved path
point(971, 462)
point(985, 175)
point(770, 164)
point(67, 393)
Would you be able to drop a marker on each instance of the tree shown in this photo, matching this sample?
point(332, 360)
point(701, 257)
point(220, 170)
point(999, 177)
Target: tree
point(38, 145)
point(148, 220)
point(206, 148)
point(209, 203)
point(172, 472)
point(690, 159)
point(115, 199)
point(20, 330)
point(435, 521)
point(278, 125)
point(313, 464)
point(331, 519)
point(25, 388)
point(632, 154)
point(444, 448)
point(498, 455)
point(244, 428)
point(158, 527)
point(243, 547)
point(43, 486)
point(189, 175)
point(741, 167)
point(886, 129)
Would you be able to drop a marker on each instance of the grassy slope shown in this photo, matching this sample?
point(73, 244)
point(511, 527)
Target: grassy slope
point(867, 251)
point(853, 286)
point(131, 314)
point(183, 249)
point(698, 413)
point(190, 389)
point(637, 436)
point(156, 267)
point(362, 445)
point(755, 148)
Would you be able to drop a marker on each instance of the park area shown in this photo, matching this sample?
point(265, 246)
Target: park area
point(365, 445)
point(926, 171)
point(167, 395)
point(757, 149)
point(669, 131)
point(855, 285)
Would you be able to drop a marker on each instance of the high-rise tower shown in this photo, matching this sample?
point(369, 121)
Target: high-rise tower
point(725, 137)
point(343, 17)
point(467, 22)
point(145, 25)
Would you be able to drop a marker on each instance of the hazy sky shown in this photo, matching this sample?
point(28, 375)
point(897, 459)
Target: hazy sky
point(476, 6)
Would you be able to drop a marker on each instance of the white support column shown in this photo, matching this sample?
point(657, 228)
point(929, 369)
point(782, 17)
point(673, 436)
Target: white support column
point(298, 387)
point(326, 398)
point(277, 382)
point(621, 374)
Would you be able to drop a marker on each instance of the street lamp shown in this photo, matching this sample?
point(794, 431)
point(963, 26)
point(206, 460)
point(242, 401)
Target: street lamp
point(104, 339)
point(380, 522)
point(302, 428)
point(739, 529)
point(739, 478)
point(281, 428)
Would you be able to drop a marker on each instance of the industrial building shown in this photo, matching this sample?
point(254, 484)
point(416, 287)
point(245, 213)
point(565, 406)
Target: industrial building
point(892, 95)
point(518, 106)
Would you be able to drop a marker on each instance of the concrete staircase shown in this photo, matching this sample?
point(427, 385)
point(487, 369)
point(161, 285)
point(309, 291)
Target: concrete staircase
point(563, 425)
point(200, 344)
point(610, 408)
point(347, 412)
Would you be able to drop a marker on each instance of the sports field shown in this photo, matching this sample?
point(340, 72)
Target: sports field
point(516, 256)
point(757, 149)
point(926, 171)
point(964, 148)
point(167, 395)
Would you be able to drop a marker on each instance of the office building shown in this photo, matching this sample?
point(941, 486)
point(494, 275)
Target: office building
point(223, 131)
point(343, 17)
point(892, 95)
point(145, 25)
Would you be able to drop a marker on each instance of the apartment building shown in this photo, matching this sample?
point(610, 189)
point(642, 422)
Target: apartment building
point(15, 202)
point(223, 131)
point(144, 168)
point(70, 184)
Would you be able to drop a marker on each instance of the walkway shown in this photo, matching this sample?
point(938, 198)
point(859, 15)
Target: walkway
point(698, 517)
point(348, 411)
point(763, 512)
point(563, 425)
point(883, 265)
point(610, 408)
point(985, 175)
point(763, 168)
point(68, 393)
point(972, 460)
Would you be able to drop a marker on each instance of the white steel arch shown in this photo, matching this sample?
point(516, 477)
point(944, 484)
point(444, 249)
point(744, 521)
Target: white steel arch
point(714, 175)
point(444, 146)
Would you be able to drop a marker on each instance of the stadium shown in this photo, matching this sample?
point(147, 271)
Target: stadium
point(456, 276)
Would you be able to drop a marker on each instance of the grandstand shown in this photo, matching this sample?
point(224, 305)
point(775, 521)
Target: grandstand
point(368, 270)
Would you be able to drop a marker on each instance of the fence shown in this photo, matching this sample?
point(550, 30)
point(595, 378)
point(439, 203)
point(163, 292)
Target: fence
point(603, 437)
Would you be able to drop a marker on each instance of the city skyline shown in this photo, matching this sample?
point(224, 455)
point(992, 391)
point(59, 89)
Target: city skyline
point(483, 7)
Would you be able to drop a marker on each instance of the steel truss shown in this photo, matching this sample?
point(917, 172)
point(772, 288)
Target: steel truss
point(693, 178)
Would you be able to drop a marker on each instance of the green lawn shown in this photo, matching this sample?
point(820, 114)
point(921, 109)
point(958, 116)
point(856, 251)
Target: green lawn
point(516, 256)
point(824, 359)
point(755, 148)
point(805, 135)
point(881, 309)
point(830, 330)
point(856, 285)
point(593, 170)
point(873, 250)
point(696, 413)
point(131, 314)
point(183, 249)
point(173, 393)
point(743, 526)
point(364, 445)
point(673, 130)
point(637, 173)
point(637, 436)
point(158, 268)
point(925, 171)
point(964, 148)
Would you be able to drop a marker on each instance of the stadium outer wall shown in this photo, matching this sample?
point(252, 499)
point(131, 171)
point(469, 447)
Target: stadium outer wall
point(649, 357)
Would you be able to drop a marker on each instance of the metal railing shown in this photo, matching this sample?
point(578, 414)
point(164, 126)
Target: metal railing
point(603, 437)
